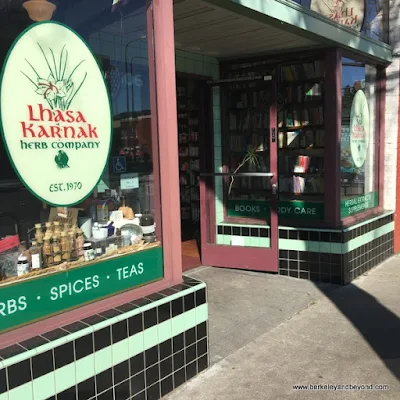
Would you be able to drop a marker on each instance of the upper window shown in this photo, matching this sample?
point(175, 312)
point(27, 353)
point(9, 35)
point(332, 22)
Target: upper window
point(359, 150)
point(370, 17)
point(79, 196)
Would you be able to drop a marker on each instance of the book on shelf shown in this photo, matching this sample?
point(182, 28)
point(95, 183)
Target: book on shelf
point(301, 164)
point(300, 72)
point(301, 185)
point(301, 139)
point(303, 117)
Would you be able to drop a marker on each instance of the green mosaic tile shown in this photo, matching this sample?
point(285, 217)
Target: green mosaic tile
point(215, 71)
point(102, 359)
point(324, 247)
point(207, 69)
point(23, 392)
point(180, 64)
point(4, 396)
point(201, 313)
point(227, 240)
point(220, 239)
point(119, 352)
point(136, 344)
point(217, 142)
point(65, 377)
point(217, 153)
point(265, 242)
point(44, 387)
point(312, 246)
point(254, 241)
point(189, 66)
point(84, 368)
point(190, 319)
point(164, 331)
point(199, 68)
point(150, 337)
point(178, 325)
point(216, 112)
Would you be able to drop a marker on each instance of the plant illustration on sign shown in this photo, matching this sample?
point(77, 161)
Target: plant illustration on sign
point(59, 88)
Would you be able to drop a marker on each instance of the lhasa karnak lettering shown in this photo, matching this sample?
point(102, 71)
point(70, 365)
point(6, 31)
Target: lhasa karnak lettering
point(349, 13)
point(56, 124)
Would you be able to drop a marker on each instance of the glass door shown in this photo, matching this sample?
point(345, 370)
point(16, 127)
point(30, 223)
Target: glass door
point(239, 222)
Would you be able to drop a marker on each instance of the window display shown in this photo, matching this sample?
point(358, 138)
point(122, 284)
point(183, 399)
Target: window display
point(79, 199)
point(359, 161)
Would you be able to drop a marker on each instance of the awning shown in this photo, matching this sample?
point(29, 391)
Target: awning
point(238, 28)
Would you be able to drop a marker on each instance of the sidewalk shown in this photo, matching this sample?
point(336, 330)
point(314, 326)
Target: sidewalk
point(343, 336)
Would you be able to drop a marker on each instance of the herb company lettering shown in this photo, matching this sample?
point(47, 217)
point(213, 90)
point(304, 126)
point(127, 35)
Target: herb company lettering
point(55, 112)
point(48, 125)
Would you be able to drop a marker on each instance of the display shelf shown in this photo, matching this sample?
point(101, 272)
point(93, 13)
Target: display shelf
point(301, 131)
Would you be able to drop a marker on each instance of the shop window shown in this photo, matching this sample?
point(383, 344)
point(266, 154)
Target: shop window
point(56, 255)
point(359, 161)
point(370, 17)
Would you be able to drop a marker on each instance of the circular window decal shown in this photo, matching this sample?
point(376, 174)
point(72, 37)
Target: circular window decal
point(359, 129)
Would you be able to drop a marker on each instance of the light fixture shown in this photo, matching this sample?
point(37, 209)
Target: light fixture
point(39, 10)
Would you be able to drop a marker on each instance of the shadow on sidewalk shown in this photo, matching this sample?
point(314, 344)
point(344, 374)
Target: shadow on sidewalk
point(379, 326)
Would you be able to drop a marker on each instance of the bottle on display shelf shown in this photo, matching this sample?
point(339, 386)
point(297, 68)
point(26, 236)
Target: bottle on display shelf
point(36, 256)
point(148, 227)
point(49, 229)
point(23, 266)
point(56, 250)
point(39, 235)
point(79, 242)
point(65, 247)
point(57, 228)
point(47, 251)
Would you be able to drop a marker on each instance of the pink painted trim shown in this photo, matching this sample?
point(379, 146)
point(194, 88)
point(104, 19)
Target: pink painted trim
point(250, 258)
point(40, 327)
point(154, 122)
point(362, 216)
point(333, 123)
point(381, 128)
point(164, 46)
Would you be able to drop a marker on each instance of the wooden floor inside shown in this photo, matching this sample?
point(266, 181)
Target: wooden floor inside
point(190, 255)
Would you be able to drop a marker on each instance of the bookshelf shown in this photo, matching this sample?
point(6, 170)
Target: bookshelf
point(188, 107)
point(246, 129)
point(301, 131)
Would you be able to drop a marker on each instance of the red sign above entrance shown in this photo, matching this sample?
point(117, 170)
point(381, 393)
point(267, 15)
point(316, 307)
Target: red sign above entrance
point(349, 13)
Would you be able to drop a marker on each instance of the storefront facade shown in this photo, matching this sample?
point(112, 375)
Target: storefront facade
point(262, 124)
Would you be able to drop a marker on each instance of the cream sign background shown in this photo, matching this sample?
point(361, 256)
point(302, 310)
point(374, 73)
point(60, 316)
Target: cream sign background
point(344, 12)
point(55, 114)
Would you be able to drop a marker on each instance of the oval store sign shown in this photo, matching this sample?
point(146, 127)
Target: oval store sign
point(349, 13)
point(55, 114)
point(359, 129)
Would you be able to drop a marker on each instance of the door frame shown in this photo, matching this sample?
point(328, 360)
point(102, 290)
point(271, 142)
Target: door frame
point(241, 257)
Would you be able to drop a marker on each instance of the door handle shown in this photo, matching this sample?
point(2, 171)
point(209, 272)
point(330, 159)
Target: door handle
point(274, 188)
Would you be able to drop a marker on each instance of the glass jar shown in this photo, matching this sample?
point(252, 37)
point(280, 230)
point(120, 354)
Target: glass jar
point(47, 251)
point(49, 229)
point(79, 242)
point(72, 244)
point(22, 266)
point(56, 250)
point(57, 228)
point(39, 235)
point(36, 256)
point(65, 247)
point(88, 252)
point(148, 227)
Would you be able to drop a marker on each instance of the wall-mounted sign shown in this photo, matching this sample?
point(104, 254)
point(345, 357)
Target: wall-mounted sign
point(33, 299)
point(349, 13)
point(358, 204)
point(359, 129)
point(55, 114)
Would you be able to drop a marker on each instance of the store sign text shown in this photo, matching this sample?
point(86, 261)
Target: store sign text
point(32, 299)
point(359, 204)
point(258, 209)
